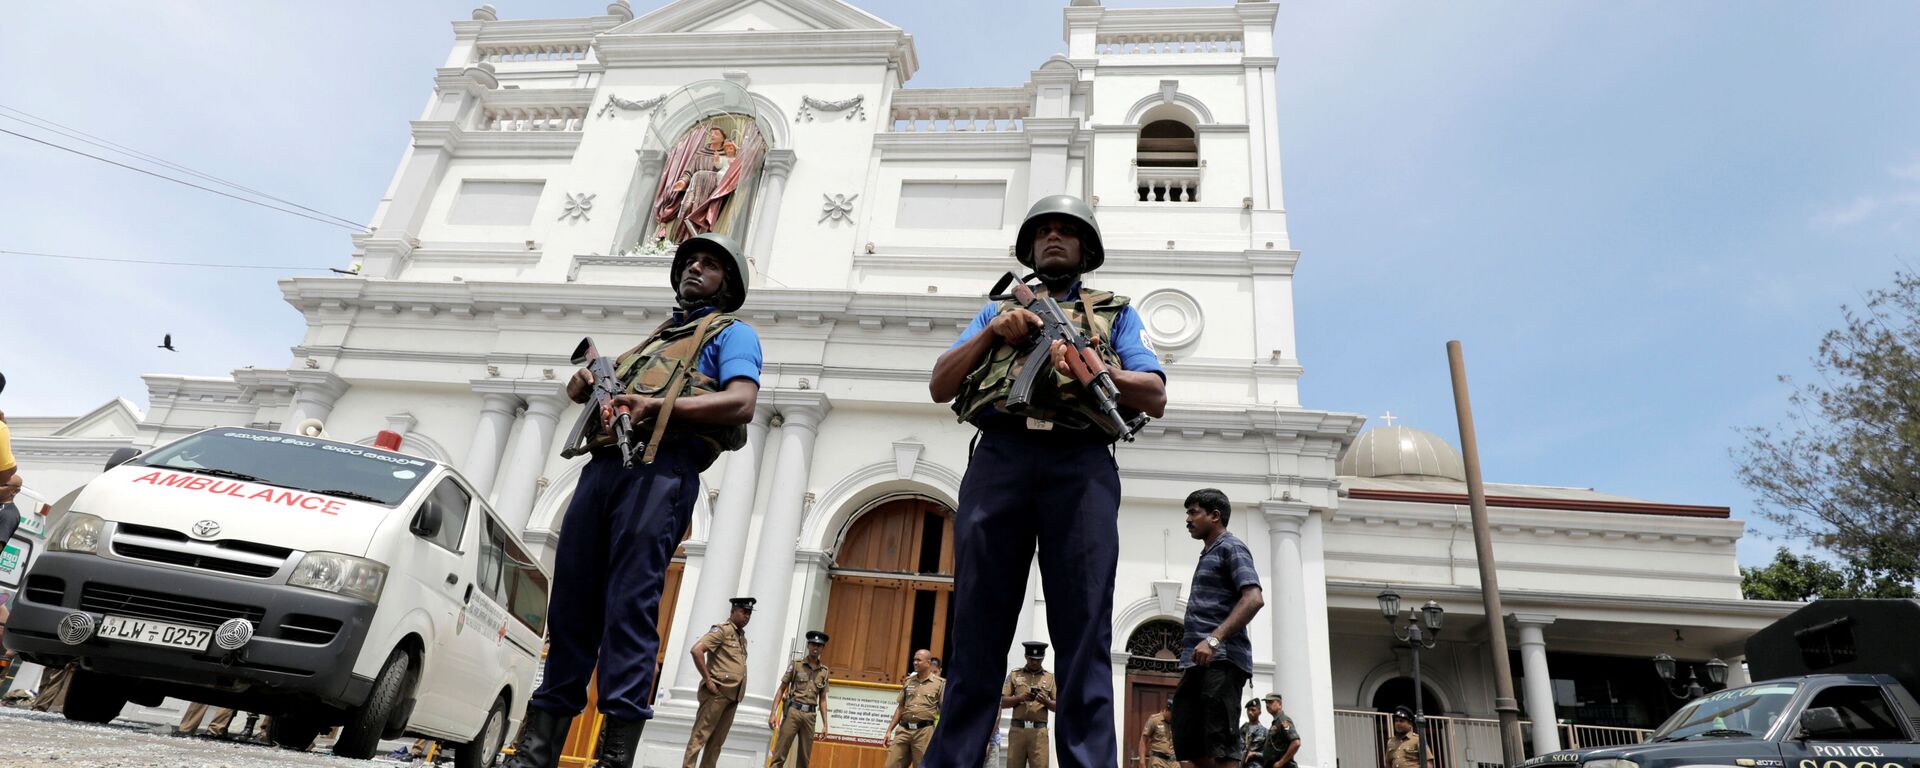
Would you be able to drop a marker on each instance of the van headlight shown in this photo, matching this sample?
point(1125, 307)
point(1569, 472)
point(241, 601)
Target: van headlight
point(1610, 763)
point(341, 575)
point(78, 532)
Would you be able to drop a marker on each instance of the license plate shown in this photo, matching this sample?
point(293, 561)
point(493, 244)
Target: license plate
point(155, 633)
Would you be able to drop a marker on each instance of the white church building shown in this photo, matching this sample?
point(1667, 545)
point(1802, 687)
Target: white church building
point(555, 159)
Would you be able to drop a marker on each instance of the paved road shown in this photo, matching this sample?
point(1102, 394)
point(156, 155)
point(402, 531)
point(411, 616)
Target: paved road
point(39, 739)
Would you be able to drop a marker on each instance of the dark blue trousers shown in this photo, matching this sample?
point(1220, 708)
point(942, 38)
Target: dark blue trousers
point(609, 568)
point(1061, 495)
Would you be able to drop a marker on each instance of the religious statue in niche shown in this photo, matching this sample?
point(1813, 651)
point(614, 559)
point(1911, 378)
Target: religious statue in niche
point(707, 177)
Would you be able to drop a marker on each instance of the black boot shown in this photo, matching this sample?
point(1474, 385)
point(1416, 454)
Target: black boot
point(541, 738)
point(619, 742)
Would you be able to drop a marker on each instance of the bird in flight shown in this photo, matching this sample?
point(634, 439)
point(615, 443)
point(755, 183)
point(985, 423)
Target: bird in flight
point(166, 343)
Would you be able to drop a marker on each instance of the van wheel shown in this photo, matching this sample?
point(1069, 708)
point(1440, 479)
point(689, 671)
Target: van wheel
point(484, 750)
point(93, 697)
point(294, 732)
point(360, 737)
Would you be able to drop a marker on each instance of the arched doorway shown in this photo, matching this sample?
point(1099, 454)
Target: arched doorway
point(890, 593)
point(1398, 692)
point(1153, 671)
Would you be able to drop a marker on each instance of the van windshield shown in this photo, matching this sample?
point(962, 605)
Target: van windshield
point(324, 467)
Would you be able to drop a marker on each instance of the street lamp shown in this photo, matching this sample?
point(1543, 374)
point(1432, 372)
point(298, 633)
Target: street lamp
point(1412, 635)
point(1666, 668)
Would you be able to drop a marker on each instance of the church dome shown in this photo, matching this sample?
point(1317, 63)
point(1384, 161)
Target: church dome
point(1393, 451)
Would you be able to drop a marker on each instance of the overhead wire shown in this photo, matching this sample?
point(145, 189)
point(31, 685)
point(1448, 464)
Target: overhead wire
point(107, 144)
point(212, 265)
point(249, 201)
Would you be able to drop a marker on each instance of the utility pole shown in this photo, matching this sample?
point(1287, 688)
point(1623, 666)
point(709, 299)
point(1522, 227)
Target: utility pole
point(1512, 749)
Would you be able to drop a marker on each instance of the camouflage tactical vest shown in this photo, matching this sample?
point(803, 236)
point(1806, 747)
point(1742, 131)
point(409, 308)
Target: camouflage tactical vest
point(650, 367)
point(1057, 398)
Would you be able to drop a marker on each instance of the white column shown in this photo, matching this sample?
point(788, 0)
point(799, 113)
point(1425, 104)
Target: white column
point(1025, 624)
point(772, 584)
point(1539, 682)
point(1737, 672)
point(1318, 720)
point(725, 550)
point(1287, 610)
point(766, 218)
point(520, 475)
point(314, 394)
point(497, 407)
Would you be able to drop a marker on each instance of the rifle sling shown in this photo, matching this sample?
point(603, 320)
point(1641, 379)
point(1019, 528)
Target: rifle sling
point(673, 388)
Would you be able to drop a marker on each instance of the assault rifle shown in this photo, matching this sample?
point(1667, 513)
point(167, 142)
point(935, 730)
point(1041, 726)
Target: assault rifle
point(1083, 360)
point(587, 432)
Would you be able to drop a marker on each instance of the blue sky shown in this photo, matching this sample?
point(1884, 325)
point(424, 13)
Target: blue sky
point(1635, 215)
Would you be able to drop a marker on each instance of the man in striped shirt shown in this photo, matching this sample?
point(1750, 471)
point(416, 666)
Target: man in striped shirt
point(1216, 659)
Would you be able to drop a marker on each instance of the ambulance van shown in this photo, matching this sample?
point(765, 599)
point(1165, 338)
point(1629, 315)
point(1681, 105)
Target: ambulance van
point(320, 582)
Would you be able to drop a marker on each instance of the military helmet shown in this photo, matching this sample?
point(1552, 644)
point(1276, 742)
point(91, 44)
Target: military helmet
point(733, 257)
point(1092, 252)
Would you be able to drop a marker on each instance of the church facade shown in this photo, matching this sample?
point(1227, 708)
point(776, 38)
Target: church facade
point(555, 163)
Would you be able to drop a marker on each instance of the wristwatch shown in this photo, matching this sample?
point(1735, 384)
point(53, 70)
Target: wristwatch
point(1213, 642)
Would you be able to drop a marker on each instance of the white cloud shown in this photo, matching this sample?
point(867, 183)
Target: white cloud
point(1896, 207)
point(1842, 216)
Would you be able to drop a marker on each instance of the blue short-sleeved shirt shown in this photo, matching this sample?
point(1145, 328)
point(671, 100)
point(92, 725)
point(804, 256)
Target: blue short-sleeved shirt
point(1224, 569)
point(1129, 335)
point(734, 353)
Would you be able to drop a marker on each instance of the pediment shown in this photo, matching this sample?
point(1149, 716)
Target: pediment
point(757, 15)
point(117, 418)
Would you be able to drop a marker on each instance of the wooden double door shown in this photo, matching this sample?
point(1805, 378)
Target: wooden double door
point(891, 594)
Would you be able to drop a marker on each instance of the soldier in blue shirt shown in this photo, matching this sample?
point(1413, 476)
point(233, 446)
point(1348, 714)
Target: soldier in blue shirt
point(1216, 658)
point(623, 524)
point(1044, 480)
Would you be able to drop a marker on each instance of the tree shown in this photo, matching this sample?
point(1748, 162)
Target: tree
point(1843, 472)
point(1800, 578)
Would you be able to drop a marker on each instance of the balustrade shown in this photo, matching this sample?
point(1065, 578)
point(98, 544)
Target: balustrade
point(531, 52)
point(979, 110)
point(536, 118)
point(1168, 43)
point(1167, 185)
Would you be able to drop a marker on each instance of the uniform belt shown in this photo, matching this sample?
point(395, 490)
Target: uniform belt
point(1029, 723)
point(802, 707)
point(1163, 755)
point(914, 725)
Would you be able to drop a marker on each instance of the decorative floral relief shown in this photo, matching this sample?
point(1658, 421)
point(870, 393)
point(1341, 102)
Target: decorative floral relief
point(854, 107)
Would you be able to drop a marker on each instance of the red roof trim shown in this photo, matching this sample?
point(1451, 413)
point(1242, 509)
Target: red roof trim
point(1523, 502)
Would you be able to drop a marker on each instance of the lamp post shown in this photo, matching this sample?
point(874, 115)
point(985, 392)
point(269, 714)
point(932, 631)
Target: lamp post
point(1666, 668)
point(1415, 638)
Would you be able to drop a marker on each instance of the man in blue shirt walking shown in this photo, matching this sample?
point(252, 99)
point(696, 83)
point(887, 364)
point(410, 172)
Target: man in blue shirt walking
point(1216, 658)
point(1043, 479)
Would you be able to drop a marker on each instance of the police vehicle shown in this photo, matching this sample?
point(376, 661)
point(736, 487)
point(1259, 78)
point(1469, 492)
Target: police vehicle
point(1835, 691)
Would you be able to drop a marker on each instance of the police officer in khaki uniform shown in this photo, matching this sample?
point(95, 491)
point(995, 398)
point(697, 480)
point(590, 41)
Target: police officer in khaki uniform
point(1156, 739)
point(1029, 690)
point(1403, 748)
point(911, 728)
point(802, 693)
point(721, 657)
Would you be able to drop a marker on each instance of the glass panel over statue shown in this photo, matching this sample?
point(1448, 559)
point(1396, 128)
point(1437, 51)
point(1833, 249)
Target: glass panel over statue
point(706, 183)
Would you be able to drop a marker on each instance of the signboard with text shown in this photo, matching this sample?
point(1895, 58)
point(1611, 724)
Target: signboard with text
point(857, 713)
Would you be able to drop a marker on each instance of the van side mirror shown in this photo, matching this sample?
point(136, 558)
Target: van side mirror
point(120, 456)
point(1820, 723)
point(426, 523)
